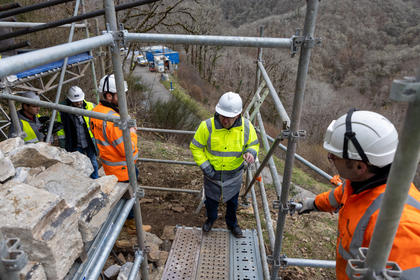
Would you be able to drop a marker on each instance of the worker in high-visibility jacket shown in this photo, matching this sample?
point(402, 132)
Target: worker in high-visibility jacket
point(220, 146)
point(76, 133)
point(362, 145)
point(108, 136)
point(29, 120)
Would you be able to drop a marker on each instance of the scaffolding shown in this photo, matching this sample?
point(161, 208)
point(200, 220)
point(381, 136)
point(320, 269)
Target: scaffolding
point(372, 264)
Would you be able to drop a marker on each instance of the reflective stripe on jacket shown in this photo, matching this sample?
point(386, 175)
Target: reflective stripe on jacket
point(213, 145)
point(30, 133)
point(356, 221)
point(109, 140)
point(87, 106)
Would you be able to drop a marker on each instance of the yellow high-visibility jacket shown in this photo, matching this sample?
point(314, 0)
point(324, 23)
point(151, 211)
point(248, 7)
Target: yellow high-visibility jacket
point(222, 149)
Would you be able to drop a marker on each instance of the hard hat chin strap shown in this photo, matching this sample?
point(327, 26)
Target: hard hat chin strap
point(350, 135)
point(106, 84)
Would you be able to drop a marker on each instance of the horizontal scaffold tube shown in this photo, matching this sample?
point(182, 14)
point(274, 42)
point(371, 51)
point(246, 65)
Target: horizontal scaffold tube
point(279, 106)
point(32, 24)
point(34, 7)
point(307, 263)
point(165, 130)
point(62, 108)
point(170, 189)
point(232, 41)
point(166, 161)
point(17, 63)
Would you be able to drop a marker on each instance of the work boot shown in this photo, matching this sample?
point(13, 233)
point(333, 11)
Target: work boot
point(236, 231)
point(207, 226)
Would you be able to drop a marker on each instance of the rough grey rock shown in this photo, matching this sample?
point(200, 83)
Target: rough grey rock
point(125, 272)
point(43, 154)
point(10, 145)
point(67, 182)
point(33, 271)
point(112, 271)
point(45, 224)
point(7, 170)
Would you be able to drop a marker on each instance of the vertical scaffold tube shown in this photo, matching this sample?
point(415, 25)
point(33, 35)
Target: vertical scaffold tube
point(400, 177)
point(62, 74)
point(308, 32)
point(111, 19)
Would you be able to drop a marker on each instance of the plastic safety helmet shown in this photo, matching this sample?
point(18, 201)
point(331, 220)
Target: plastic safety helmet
point(75, 94)
point(107, 84)
point(29, 94)
point(362, 135)
point(230, 105)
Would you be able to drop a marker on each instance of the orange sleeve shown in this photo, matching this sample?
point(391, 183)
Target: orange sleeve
point(331, 200)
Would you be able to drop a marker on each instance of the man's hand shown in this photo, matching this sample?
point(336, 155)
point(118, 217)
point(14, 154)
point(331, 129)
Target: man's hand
point(336, 180)
point(308, 205)
point(248, 157)
point(209, 172)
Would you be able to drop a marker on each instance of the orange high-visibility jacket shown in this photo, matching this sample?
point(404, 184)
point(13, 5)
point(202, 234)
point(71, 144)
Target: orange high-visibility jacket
point(109, 140)
point(356, 221)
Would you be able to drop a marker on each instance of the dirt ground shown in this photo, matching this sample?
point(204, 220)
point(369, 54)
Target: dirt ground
point(307, 236)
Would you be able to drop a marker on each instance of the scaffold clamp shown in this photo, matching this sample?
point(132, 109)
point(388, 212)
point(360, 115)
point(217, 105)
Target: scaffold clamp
point(407, 90)
point(356, 268)
point(139, 192)
point(126, 124)
point(11, 256)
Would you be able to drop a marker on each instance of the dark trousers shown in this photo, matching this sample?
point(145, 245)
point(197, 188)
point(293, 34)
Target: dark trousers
point(231, 207)
point(90, 153)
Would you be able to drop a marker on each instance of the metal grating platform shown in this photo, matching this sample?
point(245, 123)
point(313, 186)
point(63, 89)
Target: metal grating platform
point(216, 255)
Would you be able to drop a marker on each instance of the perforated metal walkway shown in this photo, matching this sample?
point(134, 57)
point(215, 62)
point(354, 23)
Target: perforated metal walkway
point(215, 255)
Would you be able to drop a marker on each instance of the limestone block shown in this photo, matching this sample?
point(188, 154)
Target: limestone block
point(9, 145)
point(112, 271)
point(67, 182)
point(33, 271)
point(168, 233)
point(118, 191)
point(43, 154)
point(107, 183)
point(93, 216)
point(151, 239)
point(7, 170)
point(45, 224)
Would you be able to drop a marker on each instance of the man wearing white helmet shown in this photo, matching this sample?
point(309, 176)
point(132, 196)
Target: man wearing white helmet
point(362, 145)
point(76, 133)
point(108, 136)
point(29, 121)
point(220, 146)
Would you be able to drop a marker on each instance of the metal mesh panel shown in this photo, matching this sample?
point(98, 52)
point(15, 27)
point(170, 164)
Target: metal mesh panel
point(214, 256)
point(245, 258)
point(183, 258)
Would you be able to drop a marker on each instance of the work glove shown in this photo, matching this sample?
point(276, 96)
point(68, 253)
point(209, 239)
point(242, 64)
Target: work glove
point(308, 205)
point(336, 181)
point(209, 172)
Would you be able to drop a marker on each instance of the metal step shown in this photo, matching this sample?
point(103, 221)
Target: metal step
point(216, 255)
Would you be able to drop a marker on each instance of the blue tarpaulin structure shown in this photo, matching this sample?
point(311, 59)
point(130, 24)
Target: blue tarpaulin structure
point(53, 65)
point(172, 55)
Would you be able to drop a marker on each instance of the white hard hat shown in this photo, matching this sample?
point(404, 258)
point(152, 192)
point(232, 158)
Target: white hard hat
point(75, 94)
point(362, 135)
point(230, 105)
point(107, 84)
point(29, 94)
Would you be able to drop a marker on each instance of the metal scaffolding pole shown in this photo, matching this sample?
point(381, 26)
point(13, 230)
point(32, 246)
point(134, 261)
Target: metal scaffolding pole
point(21, 62)
point(400, 177)
point(233, 41)
point(277, 103)
point(62, 74)
point(92, 62)
point(63, 108)
point(167, 161)
point(308, 33)
point(170, 189)
point(165, 130)
point(32, 24)
point(111, 20)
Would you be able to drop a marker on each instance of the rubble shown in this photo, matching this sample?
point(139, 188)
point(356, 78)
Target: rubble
point(50, 203)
